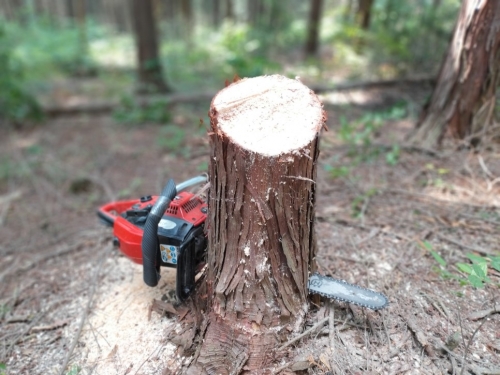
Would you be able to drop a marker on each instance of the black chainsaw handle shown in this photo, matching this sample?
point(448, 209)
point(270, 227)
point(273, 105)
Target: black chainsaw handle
point(150, 253)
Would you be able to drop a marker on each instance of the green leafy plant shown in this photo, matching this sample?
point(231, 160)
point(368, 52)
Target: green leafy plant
point(171, 138)
point(74, 370)
point(131, 112)
point(477, 270)
point(359, 203)
point(359, 134)
point(441, 269)
point(337, 172)
point(16, 103)
point(3, 369)
point(127, 192)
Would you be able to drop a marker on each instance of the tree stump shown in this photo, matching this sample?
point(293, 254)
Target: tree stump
point(264, 148)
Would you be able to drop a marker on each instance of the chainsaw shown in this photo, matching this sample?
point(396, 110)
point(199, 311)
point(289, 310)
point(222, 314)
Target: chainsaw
point(168, 230)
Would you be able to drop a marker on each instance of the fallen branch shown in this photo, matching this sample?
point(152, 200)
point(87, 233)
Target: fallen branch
point(172, 99)
point(364, 85)
point(484, 313)
point(5, 201)
point(49, 327)
point(305, 333)
point(420, 336)
point(464, 246)
point(101, 106)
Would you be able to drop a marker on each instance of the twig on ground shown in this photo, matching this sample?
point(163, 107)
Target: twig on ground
point(484, 313)
point(86, 311)
point(438, 305)
point(157, 350)
point(484, 167)
point(19, 337)
point(331, 335)
point(464, 246)
point(386, 331)
point(420, 336)
point(331, 326)
point(469, 343)
point(373, 233)
point(305, 333)
point(5, 201)
point(49, 327)
point(394, 352)
point(476, 369)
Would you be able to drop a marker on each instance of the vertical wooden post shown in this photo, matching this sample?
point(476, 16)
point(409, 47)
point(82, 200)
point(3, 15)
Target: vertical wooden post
point(264, 148)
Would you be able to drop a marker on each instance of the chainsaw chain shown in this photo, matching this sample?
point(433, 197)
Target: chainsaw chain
point(340, 281)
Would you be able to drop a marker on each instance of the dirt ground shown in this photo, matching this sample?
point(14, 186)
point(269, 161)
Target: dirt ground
point(71, 304)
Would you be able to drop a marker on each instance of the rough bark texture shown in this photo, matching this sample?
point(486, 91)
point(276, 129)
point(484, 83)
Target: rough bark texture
point(261, 221)
point(464, 97)
point(150, 72)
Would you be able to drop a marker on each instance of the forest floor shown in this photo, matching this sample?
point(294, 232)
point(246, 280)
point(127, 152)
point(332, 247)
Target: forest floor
point(71, 304)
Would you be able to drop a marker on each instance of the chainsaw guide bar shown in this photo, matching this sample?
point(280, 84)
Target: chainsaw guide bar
point(343, 291)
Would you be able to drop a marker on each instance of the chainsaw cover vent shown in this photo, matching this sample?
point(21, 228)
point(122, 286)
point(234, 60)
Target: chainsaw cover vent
point(190, 205)
point(172, 210)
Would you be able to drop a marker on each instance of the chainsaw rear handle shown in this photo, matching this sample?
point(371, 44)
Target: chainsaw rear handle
point(150, 254)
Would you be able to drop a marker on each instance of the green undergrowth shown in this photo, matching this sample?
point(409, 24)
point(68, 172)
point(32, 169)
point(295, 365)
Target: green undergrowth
point(474, 271)
point(359, 137)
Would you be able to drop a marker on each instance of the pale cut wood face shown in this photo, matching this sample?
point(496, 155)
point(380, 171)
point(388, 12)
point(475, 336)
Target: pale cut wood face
point(269, 115)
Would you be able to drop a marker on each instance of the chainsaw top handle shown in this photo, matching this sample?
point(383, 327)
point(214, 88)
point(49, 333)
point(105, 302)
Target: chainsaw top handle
point(150, 254)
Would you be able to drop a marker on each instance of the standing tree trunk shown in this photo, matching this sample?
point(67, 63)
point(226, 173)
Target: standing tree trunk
point(187, 18)
point(364, 13)
point(264, 149)
point(463, 100)
point(311, 47)
point(215, 13)
point(229, 10)
point(149, 66)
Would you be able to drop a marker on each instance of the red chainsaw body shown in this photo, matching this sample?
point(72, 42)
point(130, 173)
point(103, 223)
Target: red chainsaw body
point(185, 206)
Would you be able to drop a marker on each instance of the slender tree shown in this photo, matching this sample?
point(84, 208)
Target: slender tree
point(229, 9)
point(364, 13)
point(215, 13)
point(464, 97)
point(312, 40)
point(150, 73)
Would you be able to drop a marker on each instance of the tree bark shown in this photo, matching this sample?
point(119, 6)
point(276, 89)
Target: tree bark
point(364, 13)
point(463, 100)
point(150, 73)
point(187, 18)
point(311, 47)
point(215, 13)
point(264, 147)
point(229, 10)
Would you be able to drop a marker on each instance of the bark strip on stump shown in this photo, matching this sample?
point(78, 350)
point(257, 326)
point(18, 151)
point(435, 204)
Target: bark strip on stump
point(264, 148)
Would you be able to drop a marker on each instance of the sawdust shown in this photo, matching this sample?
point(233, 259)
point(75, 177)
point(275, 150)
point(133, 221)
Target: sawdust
point(119, 338)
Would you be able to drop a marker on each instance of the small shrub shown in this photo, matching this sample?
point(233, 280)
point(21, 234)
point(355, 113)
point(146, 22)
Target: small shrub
point(131, 112)
point(16, 103)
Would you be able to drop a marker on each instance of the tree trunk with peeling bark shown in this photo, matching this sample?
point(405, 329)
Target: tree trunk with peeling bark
point(264, 147)
point(463, 100)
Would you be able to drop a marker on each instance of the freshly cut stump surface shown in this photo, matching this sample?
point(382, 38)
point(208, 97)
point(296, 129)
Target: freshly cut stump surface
point(264, 147)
